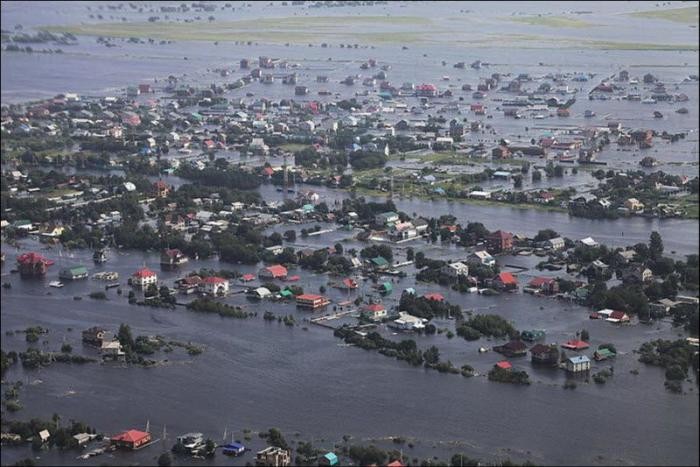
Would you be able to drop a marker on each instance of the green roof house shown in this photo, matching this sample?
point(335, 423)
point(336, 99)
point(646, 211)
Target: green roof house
point(286, 293)
point(386, 288)
point(379, 262)
point(328, 459)
point(73, 273)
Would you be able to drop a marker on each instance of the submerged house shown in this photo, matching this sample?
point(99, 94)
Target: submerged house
point(172, 258)
point(132, 439)
point(73, 273)
point(578, 364)
point(545, 354)
point(514, 348)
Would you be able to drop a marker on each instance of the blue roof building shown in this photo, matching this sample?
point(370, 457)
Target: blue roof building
point(328, 459)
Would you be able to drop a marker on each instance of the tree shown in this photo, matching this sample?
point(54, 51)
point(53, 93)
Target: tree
point(409, 254)
point(290, 235)
point(656, 246)
point(585, 336)
point(536, 175)
point(338, 248)
point(124, 336)
point(431, 356)
point(164, 460)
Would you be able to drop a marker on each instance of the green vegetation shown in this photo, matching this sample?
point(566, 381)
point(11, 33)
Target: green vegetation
point(7, 360)
point(428, 309)
point(486, 325)
point(551, 21)
point(207, 305)
point(61, 436)
point(297, 30)
point(508, 376)
point(688, 15)
point(675, 356)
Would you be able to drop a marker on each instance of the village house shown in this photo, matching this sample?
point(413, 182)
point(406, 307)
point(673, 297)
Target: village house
point(634, 205)
point(408, 322)
point(329, 459)
point(575, 344)
point(544, 285)
point(111, 349)
point(386, 218)
point(214, 285)
point(132, 439)
point(273, 272)
point(311, 301)
point(374, 311)
point(637, 273)
point(514, 348)
point(482, 258)
point(94, 336)
point(500, 241)
point(170, 258)
point(545, 354)
point(161, 189)
point(189, 284)
point(143, 278)
point(455, 270)
point(578, 364)
point(73, 273)
point(505, 281)
point(556, 243)
point(274, 457)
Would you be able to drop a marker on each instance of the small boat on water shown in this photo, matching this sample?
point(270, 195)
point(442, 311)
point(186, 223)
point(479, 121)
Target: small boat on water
point(658, 114)
point(56, 284)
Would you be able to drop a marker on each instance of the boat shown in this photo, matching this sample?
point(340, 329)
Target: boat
point(658, 114)
point(56, 284)
point(649, 100)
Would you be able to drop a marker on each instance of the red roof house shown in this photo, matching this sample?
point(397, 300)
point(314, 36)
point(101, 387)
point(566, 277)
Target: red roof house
point(506, 280)
point(504, 365)
point(547, 285)
point(575, 344)
point(500, 241)
point(273, 272)
point(438, 297)
point(396, 463)
point(132, 439)
point(247, 277)
point(350, 283)
point(32, 264)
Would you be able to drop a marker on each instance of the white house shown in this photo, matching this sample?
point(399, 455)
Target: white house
point(260, 292)
point(409, 322)
point(578, 364)
point(455, 269)
point(556, 243)
point(481, 257)
point(214, 285)
point(143, 278)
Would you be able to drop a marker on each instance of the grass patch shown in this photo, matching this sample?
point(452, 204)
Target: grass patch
point(551, 21)
point(296, 30)
point(687, 15)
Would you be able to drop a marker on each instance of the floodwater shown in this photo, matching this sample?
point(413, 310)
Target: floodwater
point(257, 375)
